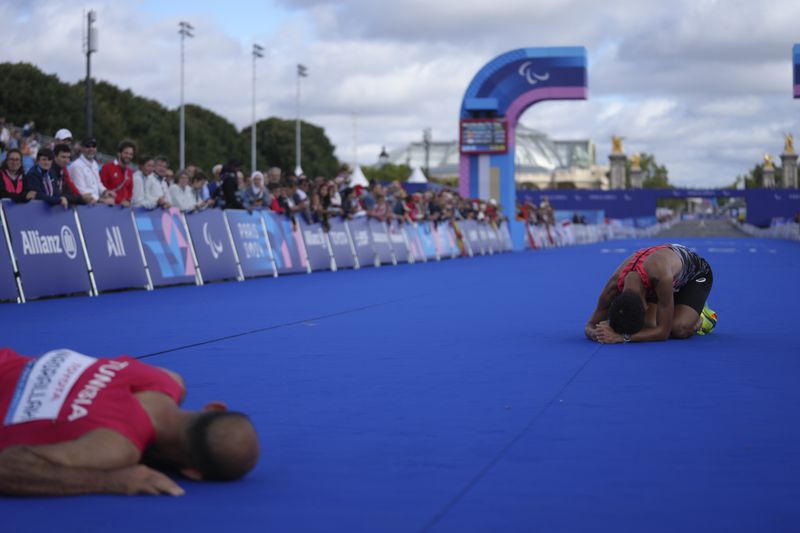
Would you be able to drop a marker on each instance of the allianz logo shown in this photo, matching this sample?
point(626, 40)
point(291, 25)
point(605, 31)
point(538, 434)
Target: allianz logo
point(35, 243)
point(114, 243)
point(361, 238)
point(338, 238)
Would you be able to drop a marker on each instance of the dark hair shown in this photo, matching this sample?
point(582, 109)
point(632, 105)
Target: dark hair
point(47, 153)
point(144, 159)
point(13, 151)
point(161, 159)
point(61, 148)
point(626, 313)
point(216, 455)
point(126, 144)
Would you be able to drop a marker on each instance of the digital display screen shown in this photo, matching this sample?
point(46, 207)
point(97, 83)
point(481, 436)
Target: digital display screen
point(484, 136)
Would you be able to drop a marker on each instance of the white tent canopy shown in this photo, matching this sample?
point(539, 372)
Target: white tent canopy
point(417, 176)
point(358, 178)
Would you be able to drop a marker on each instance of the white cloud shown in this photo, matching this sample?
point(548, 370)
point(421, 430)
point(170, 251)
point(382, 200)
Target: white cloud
point(705, 86)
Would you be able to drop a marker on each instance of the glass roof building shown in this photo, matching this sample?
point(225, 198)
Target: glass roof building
point(541, 162)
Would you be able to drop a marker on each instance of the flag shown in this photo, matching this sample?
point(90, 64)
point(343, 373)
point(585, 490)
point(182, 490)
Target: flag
point(302, 71)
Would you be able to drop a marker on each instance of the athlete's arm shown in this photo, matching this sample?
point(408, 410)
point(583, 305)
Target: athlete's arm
point(600, 313)
point(101, 461)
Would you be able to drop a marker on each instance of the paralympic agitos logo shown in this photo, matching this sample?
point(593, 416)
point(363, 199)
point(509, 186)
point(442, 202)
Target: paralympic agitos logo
point(35, 243)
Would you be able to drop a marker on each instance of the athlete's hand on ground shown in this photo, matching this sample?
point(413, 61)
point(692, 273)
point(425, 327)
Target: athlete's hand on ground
point(606, 335)
point(590, 332)
point(140, 479)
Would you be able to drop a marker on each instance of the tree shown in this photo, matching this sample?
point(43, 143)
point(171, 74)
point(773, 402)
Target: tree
point(276, 147)
point(654, 176)
point(387, 173)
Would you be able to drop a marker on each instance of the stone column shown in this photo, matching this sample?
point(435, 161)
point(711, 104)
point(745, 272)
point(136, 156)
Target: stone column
point(637, 180)
point(617, 170)
point(789, 162)
point(769, 177)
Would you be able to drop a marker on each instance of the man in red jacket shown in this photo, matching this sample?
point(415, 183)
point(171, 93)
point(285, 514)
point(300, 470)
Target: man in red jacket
point(74, 424)
point(117, 175)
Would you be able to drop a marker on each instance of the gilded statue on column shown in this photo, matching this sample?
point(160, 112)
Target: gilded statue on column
point(768, 164)
point(788, 144)
point(636, 161)
point(616, 144)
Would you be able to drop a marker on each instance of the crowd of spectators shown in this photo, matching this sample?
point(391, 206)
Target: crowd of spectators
point(67, 173)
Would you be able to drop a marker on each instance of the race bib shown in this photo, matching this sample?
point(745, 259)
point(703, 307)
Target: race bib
point(44, 385)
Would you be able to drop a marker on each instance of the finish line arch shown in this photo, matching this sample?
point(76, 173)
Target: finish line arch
point(494, 101)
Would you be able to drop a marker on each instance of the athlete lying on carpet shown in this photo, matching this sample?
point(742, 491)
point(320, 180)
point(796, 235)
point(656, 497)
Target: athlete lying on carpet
point(73, 424)
point(655, 293)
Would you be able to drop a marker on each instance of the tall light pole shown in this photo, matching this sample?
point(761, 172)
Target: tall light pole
point(185, 29)
point(426, 141)
point(302, 72)
point(258, 51)
point(89, 46)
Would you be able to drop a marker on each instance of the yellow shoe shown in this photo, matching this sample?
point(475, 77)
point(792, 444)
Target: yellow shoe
point(709, 321)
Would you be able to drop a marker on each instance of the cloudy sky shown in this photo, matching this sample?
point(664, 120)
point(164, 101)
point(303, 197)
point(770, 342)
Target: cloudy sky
point(705, 85)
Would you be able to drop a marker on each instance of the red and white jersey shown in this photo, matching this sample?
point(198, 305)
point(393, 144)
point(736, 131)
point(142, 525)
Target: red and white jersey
point(63, 395)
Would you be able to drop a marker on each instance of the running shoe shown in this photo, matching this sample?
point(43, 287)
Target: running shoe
point(709, 321)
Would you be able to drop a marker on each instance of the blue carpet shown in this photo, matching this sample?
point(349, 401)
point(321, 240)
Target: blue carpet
point(461, 396)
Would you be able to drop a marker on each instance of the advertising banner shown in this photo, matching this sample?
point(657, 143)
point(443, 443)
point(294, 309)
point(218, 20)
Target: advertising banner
point(359, 231)
point(212, 245)
point(483, 237)
point(463, 245)
point(319, 257)
point(426, 239)
point(397, 239)
point(380, 241)
point(287, 246)
point(166, 246)
point(469, 228)
point(341, 247)
point(445, 240)
point(113, 247)
point(48, 249)
point(8, 285)
point(415, 250)
point(491, 237)
point(252, 243)
point(505, 236)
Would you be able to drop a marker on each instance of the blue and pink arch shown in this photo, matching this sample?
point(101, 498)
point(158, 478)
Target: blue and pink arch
point(495, 100)
point(796, 54)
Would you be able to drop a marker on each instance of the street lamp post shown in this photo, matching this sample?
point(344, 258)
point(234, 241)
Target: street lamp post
point(185, 29)
point(426, 141)
point(90, 45)
point(302, 72)
point(258, 52)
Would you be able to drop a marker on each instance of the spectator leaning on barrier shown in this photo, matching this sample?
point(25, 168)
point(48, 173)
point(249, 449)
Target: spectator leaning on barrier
point(60, 174)
point(199, 182)
point(39, 181)
point(117, 175)
point(12, 180)
point(156, 193)
point(85, 174)
point(229, 188)
point(139, 180)
point(256, 195)
point(181, 194)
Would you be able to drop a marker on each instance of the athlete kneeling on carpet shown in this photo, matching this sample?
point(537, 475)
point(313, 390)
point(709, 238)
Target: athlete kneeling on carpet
point(657, 292)
point(74, 424)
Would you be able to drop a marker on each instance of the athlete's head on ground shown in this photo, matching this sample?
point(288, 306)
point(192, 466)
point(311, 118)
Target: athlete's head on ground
point(223, 445)
point(626, 313)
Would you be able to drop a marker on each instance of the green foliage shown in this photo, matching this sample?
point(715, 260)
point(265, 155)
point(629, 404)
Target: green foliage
point(276, 147)
point(755, 177)
point(29, 94)
point(388, 172)
point(655, 176)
